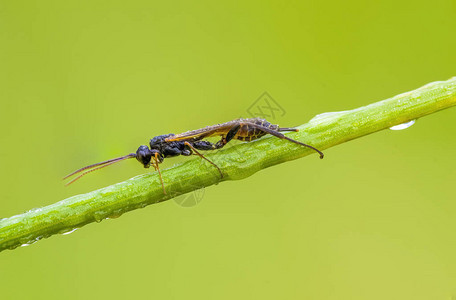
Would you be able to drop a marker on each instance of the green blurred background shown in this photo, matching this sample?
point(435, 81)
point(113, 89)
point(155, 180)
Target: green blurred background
point(84, 81)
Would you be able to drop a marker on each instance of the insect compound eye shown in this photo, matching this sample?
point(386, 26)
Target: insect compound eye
point(143, 155)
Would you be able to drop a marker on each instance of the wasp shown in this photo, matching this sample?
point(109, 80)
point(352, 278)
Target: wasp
point(192, 142)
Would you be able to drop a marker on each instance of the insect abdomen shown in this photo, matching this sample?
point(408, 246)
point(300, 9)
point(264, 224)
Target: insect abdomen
point(248, 133)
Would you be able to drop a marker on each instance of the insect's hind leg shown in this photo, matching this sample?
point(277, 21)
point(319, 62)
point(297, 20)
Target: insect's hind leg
point(282, 136)
point(206, 145)
point(229, 136)
point(203, 157)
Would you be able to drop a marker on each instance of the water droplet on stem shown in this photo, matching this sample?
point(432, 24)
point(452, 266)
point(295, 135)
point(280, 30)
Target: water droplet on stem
point(403, 125)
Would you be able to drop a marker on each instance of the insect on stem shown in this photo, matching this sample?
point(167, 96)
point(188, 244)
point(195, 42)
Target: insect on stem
point(191, 142)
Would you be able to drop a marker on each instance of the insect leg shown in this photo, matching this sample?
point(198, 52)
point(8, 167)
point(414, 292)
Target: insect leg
point(202, 156)
point(281, 136)
point(206, 145)
point(159, 173)
point(229, 136)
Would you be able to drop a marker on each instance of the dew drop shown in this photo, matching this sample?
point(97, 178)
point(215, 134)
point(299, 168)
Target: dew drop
point(71, 231)
point(115, 214)
point(403, 125)
point(32, 241)
point(33, 210)
point(99, 216)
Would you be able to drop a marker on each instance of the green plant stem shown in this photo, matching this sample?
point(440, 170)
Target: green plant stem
point(236, 163)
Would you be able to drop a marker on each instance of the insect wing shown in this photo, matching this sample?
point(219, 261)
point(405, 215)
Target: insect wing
point(199, 134)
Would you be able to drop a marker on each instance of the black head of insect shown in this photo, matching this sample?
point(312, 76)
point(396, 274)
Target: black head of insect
point(144, 155)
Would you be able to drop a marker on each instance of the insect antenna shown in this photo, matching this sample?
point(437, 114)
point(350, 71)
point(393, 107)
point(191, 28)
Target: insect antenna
point(97, 166)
